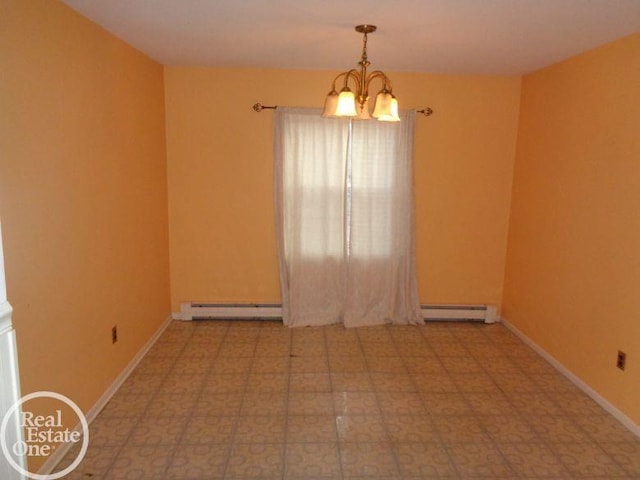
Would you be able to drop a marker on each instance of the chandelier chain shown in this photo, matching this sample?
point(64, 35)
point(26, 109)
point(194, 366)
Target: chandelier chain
point(364, 61)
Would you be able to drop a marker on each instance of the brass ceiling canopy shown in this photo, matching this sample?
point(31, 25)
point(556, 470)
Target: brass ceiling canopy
point(366, 29)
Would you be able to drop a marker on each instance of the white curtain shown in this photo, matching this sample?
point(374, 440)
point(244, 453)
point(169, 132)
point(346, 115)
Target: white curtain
point(344, 219)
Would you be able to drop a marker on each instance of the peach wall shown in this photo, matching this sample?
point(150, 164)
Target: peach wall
point(82, 197)
point(220, 180)
point(573, 266)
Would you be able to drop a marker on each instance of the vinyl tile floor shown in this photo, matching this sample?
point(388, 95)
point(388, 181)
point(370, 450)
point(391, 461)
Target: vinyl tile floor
point(255, 400)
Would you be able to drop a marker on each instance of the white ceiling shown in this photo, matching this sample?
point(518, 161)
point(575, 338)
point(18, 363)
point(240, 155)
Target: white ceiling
point(439, 36)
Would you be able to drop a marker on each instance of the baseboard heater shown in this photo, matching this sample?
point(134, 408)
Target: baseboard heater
point(460, 313)
point(273, 311)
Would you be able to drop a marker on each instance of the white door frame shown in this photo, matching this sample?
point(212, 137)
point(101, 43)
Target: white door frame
point(9, 379)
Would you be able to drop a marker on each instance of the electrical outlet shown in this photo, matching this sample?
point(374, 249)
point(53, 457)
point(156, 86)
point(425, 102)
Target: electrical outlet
point(114, 334)
point(622, 360)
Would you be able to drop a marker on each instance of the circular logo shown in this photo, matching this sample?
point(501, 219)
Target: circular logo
point(26, 421)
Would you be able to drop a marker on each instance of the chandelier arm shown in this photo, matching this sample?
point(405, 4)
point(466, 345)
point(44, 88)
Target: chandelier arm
point(387, 83)
point(333, 84)
point(355, 75)
point(378, 74)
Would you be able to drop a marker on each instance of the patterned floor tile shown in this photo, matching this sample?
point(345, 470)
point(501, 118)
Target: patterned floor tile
point(368, 460)
point(254, 400)
point(312, 460)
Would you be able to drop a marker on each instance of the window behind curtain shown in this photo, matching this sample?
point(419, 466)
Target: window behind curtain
point(344, 219)
point(373, 152)
point(314, 186)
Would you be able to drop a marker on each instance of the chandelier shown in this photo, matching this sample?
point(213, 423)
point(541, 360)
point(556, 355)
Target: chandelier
point(350, 103)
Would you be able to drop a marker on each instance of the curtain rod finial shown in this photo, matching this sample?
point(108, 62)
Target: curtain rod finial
point(258, 107)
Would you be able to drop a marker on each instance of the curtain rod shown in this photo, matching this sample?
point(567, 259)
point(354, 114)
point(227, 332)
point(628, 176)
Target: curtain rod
point(258, 107)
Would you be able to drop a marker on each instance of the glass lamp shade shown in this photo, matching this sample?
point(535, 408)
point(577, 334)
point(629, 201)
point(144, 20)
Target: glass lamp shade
point(346, 104)
point(330, 104)
point(393, 112)
point(383, 104)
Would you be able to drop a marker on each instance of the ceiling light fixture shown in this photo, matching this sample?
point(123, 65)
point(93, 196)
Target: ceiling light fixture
point(348, 103)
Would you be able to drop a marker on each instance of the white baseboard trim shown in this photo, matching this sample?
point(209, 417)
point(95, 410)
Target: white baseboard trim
point(177, 316)
point(577, 381)
point(93, 412)
point(120, 379)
